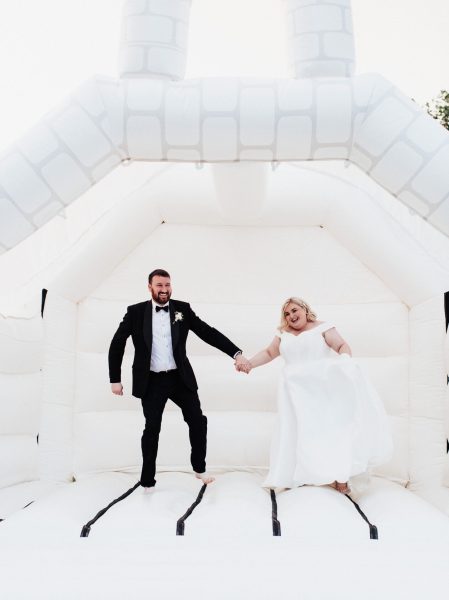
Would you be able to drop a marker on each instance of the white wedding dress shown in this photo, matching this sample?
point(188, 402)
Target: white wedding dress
point(331, 422)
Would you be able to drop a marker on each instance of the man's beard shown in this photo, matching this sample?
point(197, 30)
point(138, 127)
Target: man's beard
point(163, 300)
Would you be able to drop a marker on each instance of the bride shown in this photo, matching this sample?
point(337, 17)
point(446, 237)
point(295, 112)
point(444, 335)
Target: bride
point(331, 425)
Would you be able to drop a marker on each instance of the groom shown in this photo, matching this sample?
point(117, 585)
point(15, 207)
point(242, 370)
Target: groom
point(161, 369)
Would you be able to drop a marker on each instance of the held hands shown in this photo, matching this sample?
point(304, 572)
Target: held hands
point(242, 364)
point(117, 388)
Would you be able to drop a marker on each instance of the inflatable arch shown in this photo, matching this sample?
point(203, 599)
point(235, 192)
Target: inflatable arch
point(240, 220)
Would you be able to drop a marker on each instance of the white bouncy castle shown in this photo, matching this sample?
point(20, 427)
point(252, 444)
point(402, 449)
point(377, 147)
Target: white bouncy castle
point(330, 186)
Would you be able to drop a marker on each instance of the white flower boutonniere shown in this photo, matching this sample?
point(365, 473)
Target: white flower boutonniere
point(178, 317)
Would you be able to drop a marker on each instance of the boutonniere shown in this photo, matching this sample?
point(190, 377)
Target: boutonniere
point(178, 317)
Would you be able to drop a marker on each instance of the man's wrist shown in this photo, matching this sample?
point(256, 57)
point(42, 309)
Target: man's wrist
point(239, 352)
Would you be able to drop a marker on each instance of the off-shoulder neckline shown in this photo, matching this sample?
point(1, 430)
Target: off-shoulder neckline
point(308, 330)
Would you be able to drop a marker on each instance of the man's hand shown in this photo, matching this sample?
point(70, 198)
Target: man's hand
point(117, 388)
point(242, 364)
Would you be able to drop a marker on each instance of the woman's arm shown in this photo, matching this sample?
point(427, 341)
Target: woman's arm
point(267, 355)
point(336, 342)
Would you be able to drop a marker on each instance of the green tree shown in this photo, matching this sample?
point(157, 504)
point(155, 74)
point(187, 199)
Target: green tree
point(438, 108)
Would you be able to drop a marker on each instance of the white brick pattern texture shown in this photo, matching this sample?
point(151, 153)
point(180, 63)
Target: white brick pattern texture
point(145, 116)
point(154, 39)
point(320, 42)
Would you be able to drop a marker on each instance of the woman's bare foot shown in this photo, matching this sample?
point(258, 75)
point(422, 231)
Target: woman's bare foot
point(205, 477)
point(342, 487)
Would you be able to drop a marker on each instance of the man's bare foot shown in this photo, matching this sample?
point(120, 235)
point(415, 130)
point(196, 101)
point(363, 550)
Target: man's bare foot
point(205, 477)
point(148, 490)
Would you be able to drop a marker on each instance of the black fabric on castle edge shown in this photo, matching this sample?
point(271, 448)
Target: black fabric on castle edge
point(43, 298)
point(180, 521)
point(373, 533)
point(274, 514)
point(86, 528)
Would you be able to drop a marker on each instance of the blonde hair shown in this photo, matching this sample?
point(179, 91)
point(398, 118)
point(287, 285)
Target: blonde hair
point(310, 315)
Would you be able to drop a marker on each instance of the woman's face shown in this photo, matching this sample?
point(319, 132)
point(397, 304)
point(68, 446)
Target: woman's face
point(295, 316)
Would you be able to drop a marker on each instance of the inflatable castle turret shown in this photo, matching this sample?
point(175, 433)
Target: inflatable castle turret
point(154, 39)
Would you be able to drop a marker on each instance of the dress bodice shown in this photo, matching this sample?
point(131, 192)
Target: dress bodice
point(305, 346)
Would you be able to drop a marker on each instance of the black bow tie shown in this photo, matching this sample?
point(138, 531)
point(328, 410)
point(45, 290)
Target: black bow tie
point(158, 308)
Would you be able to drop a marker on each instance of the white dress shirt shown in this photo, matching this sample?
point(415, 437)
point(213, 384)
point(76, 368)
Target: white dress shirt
point(162, 349)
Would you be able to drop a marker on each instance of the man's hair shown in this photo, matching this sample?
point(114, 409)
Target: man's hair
point(159, 272)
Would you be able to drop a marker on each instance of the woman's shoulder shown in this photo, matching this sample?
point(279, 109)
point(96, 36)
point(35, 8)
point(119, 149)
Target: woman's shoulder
point(324, 325)
point(327, 326)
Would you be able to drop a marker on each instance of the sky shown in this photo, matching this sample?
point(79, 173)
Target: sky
point(49, 47)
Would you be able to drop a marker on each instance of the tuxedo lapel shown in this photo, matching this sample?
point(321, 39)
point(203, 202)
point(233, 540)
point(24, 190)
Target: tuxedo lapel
point(174, 326)
point(148, 325)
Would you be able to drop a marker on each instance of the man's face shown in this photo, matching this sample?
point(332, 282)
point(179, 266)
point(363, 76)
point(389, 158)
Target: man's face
point(160, 289)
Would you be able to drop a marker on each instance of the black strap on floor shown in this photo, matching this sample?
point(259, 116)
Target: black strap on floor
point(86, 528)
point(274, 514)
point(373, 533)
point(180, 522)
point(26, 505)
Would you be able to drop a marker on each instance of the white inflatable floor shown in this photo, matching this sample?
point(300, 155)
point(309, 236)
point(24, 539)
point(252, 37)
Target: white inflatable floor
point(228, 549)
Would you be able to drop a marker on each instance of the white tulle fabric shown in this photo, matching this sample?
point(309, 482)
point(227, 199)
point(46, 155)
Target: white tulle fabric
point(331, 423)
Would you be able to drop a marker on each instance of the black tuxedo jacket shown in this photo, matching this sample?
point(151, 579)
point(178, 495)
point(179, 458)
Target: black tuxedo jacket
point(138, 323)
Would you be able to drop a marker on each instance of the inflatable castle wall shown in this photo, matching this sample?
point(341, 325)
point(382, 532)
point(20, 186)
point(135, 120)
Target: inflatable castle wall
point(330, 186)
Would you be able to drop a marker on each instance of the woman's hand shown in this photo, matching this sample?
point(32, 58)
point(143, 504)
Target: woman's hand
point(242, 364)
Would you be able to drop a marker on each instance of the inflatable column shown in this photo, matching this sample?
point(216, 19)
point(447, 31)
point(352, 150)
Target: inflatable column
point(321, 42)
point(154, 39)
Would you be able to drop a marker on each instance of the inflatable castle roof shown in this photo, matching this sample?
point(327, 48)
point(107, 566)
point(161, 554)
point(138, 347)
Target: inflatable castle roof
point(324, 112)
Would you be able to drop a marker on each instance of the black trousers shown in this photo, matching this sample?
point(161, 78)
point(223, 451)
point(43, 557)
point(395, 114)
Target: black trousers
point(161, 387)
